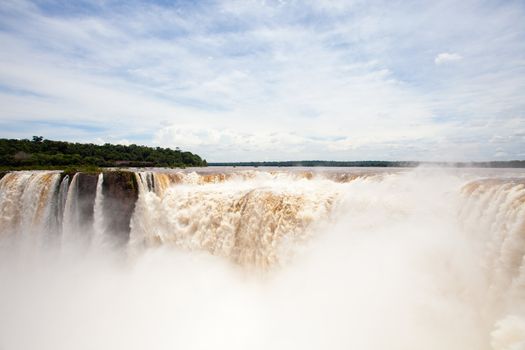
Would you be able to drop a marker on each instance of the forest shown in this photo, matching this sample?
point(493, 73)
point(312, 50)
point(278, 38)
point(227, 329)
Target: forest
point(42, 153)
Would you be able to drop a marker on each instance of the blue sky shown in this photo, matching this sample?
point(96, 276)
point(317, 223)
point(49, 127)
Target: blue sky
point(270, 80)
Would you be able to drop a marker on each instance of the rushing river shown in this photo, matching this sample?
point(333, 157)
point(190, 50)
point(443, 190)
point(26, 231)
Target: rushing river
point(240, 258)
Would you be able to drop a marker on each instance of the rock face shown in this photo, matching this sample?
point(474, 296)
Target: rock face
point(86, 192)
point(2, 174)
point(73, 203)
point(120, 192)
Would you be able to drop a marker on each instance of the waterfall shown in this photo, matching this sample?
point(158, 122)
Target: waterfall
point(71, 214)
point(61, 202)
point(494, 213)
point(99, 225)
point(250, 222)
point(27, 202)
point(435, 259)
point(249, 217)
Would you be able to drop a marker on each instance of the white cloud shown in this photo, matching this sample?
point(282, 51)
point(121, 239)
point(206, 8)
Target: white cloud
point(299, 81)
point(446, 57)
point(221, 144)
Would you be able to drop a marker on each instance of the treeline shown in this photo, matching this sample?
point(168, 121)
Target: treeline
point(378, 163)
point(39, 152)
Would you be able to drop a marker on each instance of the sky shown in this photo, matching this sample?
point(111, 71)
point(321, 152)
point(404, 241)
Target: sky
point(270, 80)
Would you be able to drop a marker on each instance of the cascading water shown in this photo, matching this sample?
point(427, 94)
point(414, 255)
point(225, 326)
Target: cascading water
point(70, 218)
point(27, 205)
point(494, 212)
point(246, 221)
point(338, 259)
point(98, 214)
point(61, 200)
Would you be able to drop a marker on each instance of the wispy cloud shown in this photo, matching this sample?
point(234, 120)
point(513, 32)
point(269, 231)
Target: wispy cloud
point(252, 80)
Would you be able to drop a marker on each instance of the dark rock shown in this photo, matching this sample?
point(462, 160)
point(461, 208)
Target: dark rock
point(120, 192)
point(86, 192)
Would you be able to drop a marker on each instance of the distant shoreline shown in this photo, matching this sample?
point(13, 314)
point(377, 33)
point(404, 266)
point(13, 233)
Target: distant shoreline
point(378, 164)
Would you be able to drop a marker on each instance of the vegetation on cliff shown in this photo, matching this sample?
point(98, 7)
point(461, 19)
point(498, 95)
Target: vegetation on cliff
point(40, 153)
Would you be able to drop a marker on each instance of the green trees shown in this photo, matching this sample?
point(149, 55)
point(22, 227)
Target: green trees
point(40, 152)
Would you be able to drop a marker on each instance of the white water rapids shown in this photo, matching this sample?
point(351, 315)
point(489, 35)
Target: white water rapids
point(267, 259)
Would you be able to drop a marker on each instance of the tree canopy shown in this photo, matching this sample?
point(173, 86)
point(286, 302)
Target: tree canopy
point(42, 152)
